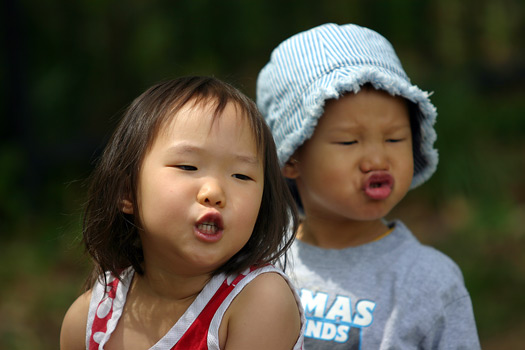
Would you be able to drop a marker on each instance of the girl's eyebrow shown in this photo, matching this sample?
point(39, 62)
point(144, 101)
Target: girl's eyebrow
point(247, 159)
point(185, 148)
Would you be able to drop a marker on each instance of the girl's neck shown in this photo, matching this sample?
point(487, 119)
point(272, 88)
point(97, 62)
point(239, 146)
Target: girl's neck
point(338, 235)
point(155, 302)
point(162, 284)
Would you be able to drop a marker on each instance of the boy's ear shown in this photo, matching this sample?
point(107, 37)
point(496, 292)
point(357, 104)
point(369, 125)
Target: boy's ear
point(290, 169)
point(126, 206)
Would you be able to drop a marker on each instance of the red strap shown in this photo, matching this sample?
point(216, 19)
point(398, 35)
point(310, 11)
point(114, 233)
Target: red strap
point(100, 325)
point(196, 337)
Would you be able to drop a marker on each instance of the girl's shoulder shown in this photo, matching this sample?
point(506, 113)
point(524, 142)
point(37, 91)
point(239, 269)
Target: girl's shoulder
point(73, 332)
point(268, 302)
point(74, 325)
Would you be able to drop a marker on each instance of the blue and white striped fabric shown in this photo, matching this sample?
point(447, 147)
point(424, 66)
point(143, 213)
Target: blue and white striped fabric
point(325, 62)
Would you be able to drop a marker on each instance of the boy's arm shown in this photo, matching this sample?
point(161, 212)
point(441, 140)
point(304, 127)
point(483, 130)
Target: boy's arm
point(73, 332)
point(264, 315)
point(455, 329)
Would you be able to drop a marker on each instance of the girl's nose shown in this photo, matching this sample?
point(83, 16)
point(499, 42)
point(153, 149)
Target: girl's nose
point(211, 194)
point(374, 158)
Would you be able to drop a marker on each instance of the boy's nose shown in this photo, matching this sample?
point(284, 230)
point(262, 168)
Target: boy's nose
point(211, 194)
point(373, 159)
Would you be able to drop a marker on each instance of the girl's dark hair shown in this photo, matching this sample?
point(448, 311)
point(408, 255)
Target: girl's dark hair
point(111, 237)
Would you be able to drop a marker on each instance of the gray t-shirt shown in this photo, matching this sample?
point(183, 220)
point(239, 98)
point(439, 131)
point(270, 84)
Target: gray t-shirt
point(394, 293)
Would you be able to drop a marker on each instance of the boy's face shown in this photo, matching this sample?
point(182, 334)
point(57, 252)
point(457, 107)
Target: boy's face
point(199, 192)
point(358, 164)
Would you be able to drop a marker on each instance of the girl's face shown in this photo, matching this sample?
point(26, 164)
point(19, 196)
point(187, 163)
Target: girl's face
point(358, 164)
point(199, 192)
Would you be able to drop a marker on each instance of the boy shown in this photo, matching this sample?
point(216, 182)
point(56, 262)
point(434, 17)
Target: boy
point(353, 136)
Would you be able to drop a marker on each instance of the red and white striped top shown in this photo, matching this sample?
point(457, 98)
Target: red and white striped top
point(198, 327)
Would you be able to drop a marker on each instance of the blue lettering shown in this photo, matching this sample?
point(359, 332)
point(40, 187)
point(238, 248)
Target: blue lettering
point(339, 324)
point(329, 331)
point(315, 305)
point(364, 313)
point(342, 334)
point(341, 310)
point(313, 329)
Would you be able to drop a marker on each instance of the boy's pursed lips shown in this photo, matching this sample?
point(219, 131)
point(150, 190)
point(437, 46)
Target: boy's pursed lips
point(378, 185)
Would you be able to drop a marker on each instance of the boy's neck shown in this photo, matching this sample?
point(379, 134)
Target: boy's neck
point(330, 235)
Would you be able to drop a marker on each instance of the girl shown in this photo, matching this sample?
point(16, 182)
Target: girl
point(186, 211)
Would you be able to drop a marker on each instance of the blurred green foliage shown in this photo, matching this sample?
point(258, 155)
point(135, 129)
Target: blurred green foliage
point(69, 68)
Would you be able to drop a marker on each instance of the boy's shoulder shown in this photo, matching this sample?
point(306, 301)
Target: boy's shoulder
point(428, 259)
point(429, 270)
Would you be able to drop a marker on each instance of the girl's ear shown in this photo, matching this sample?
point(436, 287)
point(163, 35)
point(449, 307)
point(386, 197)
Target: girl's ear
point(126, 206)
point(291, 169)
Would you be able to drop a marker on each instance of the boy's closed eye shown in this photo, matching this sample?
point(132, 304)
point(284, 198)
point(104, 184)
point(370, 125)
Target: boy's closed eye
point(396, 140)
point(346, 143)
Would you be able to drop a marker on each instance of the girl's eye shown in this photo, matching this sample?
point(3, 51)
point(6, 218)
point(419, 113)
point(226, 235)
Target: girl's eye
point(186, 167)
point(242, 177)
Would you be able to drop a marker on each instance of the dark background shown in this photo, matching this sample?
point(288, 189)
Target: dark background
point(69, 68)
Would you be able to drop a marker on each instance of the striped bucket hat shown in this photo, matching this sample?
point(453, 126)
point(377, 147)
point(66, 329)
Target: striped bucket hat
point(324, 63)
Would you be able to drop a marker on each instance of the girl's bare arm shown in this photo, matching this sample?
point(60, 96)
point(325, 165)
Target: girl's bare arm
point(264, 315)
point(73, 332)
